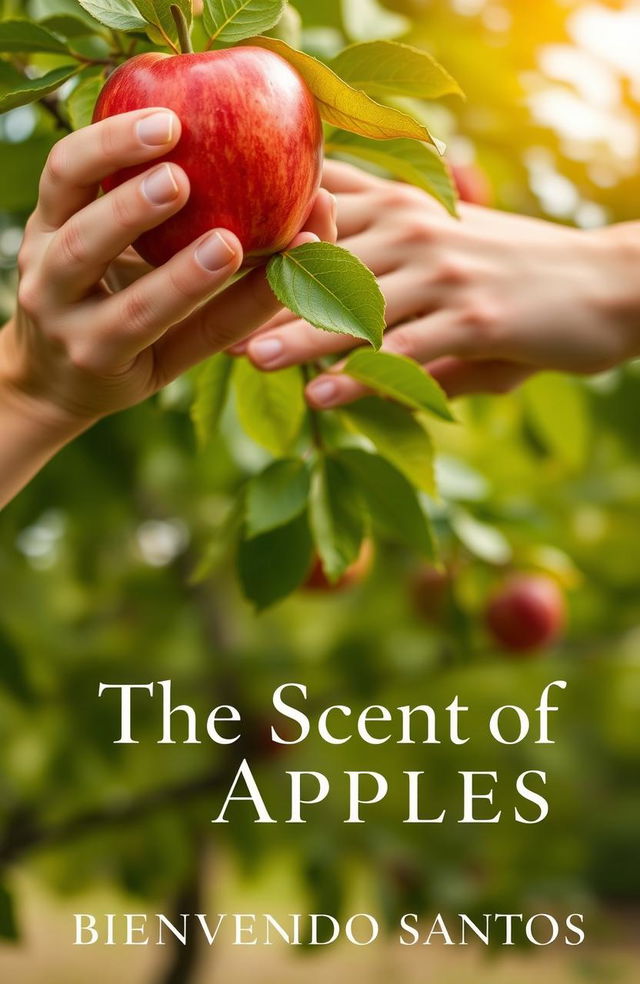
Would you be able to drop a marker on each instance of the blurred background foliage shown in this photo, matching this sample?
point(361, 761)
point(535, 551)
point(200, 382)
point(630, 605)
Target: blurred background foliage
point(96, 558)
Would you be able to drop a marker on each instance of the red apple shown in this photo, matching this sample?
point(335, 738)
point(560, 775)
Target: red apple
point(472, 184)
point(318, 581)
point(251, 144)
point(527, 612)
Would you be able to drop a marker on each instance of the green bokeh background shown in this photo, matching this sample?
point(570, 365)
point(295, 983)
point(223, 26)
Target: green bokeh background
point(96, 557)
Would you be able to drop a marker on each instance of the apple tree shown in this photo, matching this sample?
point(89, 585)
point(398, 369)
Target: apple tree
point(175, 541)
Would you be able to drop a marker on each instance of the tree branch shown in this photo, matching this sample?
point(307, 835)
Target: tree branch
point(23, 835)
point(184, 960)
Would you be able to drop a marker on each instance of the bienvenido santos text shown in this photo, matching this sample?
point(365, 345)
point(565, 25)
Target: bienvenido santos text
point(361, 929)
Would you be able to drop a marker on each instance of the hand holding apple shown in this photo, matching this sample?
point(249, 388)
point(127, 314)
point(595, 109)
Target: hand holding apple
point(96, 330)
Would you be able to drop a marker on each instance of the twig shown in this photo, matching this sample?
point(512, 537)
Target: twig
point(52, 107)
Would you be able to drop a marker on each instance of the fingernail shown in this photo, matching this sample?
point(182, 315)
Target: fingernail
point(156, 129)
point(324, 392)
point(214, 252)
point(160, 186)
point(266, 350)
point(334, 209)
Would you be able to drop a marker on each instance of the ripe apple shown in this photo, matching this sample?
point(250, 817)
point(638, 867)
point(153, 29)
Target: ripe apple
point(251, 144)
point(527, 612)
point(318, 581)
point(472, 184)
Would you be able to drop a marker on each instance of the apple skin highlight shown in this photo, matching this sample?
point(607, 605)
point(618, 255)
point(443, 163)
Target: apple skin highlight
point(251, 145)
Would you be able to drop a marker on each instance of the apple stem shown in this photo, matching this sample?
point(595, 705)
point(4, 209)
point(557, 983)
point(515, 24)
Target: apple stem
point(184, 36)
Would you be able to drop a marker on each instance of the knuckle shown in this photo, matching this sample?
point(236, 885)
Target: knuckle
point(398, 196)
point(416, 230)
point(401, 343)
point(184, 286)
point(57, 165)
point(481, 320)
point(23, 260)
point(81, 358)
point(71, 245)
point(123, 211)
point(451, 272)
point(29, 295)
point(136, 312)
point(110, 140)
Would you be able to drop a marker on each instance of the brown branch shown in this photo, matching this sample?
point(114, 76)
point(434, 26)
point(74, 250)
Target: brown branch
point(184, 959)
point(23, 835)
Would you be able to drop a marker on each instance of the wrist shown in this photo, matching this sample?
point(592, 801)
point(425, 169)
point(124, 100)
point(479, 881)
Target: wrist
point(25, 406)
point(620, 262)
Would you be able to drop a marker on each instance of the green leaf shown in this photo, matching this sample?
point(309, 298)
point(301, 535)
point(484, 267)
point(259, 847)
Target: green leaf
point(398, 437)
point(13, 677)
point(344, 106)
point(393, 503)
point(70, 26)
point(82, 101)
point(212, 388)
point(222, 539)
point(234, 20)
point(401, 379)
point(18, 90)
point(556, 407)
point(270, 405)
point(121, 15)
point(337, 517)
point(22, 165)
point(273, 565)
point(25, 36)
point(331, 289)
point(482, 540)
point(8, 920)
point(408, 160)
point(388, 68)
point(276, 496)
point(289, 26)
point(161, 25)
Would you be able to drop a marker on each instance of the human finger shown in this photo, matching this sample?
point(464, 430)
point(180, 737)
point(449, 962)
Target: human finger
point(221, 322)
point(298, 342)
point(339, 177)
point(126, 323)
point(463, 377)
point(335, 388)
point(79, 162)
point(81, 251)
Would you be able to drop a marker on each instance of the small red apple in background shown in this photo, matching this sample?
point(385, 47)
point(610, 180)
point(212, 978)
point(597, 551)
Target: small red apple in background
point(430, 590)
point(251, 144)
point(472, 184)
point(318, 581)
point(527, 612)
